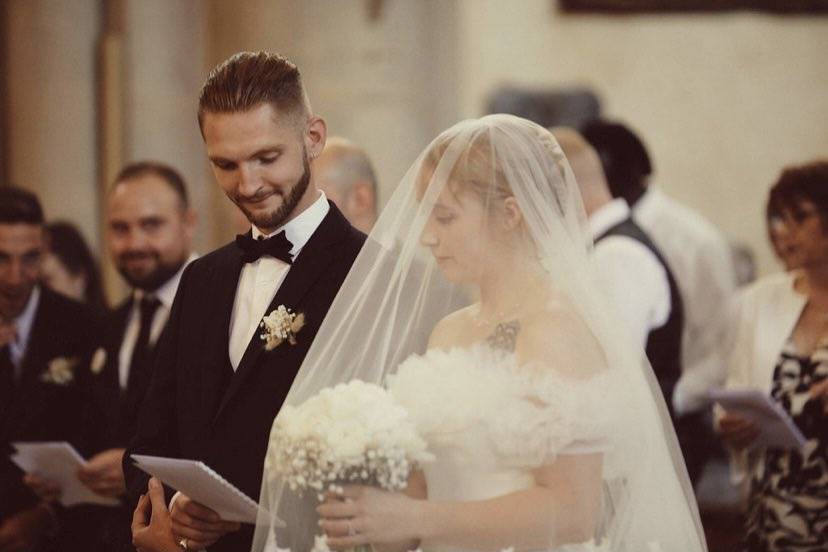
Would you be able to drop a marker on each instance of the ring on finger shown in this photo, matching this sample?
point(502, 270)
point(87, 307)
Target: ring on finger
point(183, 544)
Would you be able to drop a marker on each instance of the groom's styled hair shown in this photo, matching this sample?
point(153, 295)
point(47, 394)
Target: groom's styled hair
point(248, 79)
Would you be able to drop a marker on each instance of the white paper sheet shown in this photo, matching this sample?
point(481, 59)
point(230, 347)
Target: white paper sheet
point(777, 428)
point(58, 461)
point(199, 482)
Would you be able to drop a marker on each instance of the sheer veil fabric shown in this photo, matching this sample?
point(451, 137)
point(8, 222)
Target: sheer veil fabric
point(482, 255)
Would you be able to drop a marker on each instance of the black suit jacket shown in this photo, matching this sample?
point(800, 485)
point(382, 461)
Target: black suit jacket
point(63, 332)
point(114, 413)
point(197, 407)
point(117, 409)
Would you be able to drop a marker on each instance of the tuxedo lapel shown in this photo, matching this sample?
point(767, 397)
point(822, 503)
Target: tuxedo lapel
point(115, 340)
point(215, 358)
point(34, 359)
point(316, 256)
point(38, 347)
point(39, 353)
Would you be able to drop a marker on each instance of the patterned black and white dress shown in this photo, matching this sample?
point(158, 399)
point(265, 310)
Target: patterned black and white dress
point(788, 505)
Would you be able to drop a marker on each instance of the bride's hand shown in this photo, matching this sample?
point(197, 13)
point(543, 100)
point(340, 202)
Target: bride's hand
point(366, 515)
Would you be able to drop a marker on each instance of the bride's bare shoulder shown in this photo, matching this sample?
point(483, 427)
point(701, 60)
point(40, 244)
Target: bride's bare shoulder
point(558, 337)
point(448, 331)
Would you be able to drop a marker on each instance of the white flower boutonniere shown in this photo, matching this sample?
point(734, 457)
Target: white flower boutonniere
point(61, 371)
point(98, 361)
point(279, 326)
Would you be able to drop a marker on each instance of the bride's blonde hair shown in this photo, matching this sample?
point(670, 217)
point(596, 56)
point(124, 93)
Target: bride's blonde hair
point(479, 167)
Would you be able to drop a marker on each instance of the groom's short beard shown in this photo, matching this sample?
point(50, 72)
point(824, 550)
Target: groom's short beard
point(290, 200)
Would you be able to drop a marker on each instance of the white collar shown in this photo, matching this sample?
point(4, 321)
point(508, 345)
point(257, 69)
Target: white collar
point(25, 321)
point(648, 202)
point(166, 293)
point(607, 216)
point(299, 230)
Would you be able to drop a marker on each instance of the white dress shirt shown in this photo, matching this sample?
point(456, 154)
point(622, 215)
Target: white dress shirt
point(635, 280)
point(165, 295)
point(23, 328)
point(260, 280)
point(703, 267)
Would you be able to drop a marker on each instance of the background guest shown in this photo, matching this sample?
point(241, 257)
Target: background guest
point(633, 271)
point(347, 177)
point(695, 250)
point(150, 227)
point(781, 348)
point(45, 344)
point(638, 281)
point(69, 266)
point(149, 231)
point(783, 247)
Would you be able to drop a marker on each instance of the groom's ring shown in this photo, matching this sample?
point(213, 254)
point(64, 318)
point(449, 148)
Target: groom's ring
point(183, 544)
point(351, 531)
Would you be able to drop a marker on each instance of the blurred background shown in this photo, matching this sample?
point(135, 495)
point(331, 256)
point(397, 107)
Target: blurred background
point(723, 98)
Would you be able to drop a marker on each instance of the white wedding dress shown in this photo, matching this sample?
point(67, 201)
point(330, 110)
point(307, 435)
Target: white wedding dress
point(489, 422)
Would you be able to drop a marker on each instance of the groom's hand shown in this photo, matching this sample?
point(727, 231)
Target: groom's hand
point(197, 523)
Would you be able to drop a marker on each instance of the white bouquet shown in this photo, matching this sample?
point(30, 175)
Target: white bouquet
point(354, 432)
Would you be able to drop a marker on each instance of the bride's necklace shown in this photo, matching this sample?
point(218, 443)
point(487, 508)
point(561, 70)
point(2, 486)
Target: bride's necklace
point(506, 324)
point(504, 336)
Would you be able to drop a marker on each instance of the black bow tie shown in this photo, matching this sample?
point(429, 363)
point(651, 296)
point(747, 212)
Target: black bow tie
point(277, 246)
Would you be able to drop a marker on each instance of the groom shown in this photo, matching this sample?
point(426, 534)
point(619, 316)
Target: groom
point(217, 384)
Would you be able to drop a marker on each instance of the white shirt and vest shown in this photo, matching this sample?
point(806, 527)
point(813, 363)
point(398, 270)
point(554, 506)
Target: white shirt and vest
point(630, 273)
point(703, 268)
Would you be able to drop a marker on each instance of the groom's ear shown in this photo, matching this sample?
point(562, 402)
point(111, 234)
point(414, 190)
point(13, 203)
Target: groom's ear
point(512, 215)
point(316, 133)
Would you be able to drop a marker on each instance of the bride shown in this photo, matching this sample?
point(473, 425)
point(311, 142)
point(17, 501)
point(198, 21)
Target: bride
point(476, 305)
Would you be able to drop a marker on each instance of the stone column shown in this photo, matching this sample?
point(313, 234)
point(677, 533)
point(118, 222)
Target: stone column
point(50, 135)
point(164, 56)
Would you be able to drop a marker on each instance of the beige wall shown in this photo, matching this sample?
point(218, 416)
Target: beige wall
point(165, 51)
point(51, 85)
point(723, 101)
point(381, 83)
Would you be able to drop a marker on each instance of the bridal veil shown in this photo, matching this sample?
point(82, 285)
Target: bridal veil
point(397, 292)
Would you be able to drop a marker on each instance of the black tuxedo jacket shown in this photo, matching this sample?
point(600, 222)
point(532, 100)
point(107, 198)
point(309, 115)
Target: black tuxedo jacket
point(62, 333)
point(197, 407)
